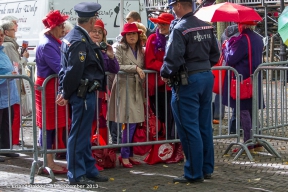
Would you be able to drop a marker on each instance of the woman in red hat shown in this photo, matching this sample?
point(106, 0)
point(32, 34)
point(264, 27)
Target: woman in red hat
point(154, 55)
point(126, 102)
point(98, 36)
point(48, 63)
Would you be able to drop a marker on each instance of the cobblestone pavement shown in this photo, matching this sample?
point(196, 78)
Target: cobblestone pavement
point(266, 173)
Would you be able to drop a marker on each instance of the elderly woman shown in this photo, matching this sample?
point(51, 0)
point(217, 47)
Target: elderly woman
point(9, 93)
point(48, 63)
point(154, 56)
point(127, 107)
point(98, 35)
point(236, 55)
point(11, 49)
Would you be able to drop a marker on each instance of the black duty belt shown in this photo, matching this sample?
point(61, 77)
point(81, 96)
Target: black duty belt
point(197, 71)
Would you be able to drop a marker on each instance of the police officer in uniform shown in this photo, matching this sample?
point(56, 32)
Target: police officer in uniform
point(190, 53)
point(82, 73)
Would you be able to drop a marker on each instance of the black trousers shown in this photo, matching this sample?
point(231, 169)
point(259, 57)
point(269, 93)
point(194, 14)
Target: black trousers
point(4, 127)
point(161, 111)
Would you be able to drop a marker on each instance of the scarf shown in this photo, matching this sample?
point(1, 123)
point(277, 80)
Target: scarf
point(160, 42)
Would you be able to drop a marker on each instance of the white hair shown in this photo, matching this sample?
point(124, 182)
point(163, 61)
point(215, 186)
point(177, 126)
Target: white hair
point(68, 26)
point(7, 24)
point(10, 18)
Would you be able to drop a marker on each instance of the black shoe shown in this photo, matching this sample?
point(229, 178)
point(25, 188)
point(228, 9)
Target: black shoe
point(99, 178)
point(82, 181)
point(182, 179)
point(207, 176)
point(2, 160)
point(10, 154)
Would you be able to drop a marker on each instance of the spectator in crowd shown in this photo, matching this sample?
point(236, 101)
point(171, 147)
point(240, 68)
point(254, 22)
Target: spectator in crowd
point(9, 95)
point(154, 55)
point(230, 31)
point(236, 55)
point(48, 63)
point(11, 48)
point(127, 107)
point(98, 35)
point(191, 51)
point(81, 75)
point(67, 27)
point(143, 30)
point(13, 19)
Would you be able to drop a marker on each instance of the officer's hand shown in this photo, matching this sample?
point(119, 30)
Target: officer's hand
point(140, 73)
point(164, 79)
point(60, 100)
point(110, 52)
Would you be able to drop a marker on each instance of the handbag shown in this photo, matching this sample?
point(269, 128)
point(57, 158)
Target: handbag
point(160, 153)
point(165, 153)
point(219, 76)
point(140, 135)
point(246, 86)
point(105, 158)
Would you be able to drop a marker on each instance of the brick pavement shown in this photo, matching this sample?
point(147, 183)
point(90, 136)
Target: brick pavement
point(267, 173)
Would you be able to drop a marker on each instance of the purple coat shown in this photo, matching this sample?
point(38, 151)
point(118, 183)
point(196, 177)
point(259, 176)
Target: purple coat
point(48, 56)
point(110, 65)
point(236, 56)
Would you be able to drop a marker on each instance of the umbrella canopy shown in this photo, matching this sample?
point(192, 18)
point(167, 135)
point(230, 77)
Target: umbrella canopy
point(283, 25)
point(227, 12)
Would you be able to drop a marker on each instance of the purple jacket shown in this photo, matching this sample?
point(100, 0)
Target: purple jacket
point(236, 56)
point(48, 56)
point(110, 65)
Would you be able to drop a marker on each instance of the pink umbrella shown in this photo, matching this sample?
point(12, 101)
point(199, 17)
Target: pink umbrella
point(226, 12)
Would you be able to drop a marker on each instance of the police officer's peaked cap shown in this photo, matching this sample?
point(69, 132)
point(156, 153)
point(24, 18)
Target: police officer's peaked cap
point(176, 1)
point(87, 9)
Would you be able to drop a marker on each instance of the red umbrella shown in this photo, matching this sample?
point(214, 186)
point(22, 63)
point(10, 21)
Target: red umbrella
point(226, 12)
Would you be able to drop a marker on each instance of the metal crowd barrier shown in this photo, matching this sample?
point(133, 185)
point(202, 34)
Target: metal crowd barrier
point(27, 150)
point(224, 129)
point(273, 119)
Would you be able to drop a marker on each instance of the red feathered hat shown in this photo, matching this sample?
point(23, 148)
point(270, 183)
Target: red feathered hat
point(163, 18)
point(53, 19)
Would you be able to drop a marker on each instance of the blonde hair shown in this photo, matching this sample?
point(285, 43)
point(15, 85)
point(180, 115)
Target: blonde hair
point(142, 28)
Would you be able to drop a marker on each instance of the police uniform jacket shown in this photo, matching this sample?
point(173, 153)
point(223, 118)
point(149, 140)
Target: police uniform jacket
point(191, 42)
point(81, 58)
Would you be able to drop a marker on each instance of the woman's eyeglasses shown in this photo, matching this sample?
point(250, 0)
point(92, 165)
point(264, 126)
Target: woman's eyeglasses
point(99, 32)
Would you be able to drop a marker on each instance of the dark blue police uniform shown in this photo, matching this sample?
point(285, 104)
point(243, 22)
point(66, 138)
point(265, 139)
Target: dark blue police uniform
point(192, 47)
point(81, 59)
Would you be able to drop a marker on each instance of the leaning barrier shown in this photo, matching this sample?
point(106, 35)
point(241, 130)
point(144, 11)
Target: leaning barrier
point(222, 131)
point(273, 119)
point(31, 149)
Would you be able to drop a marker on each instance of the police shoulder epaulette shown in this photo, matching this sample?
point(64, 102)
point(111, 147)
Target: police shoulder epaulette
point(196, 29)
point(66, 41)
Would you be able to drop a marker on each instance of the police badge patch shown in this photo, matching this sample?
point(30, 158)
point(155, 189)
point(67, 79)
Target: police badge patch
point(82, 56)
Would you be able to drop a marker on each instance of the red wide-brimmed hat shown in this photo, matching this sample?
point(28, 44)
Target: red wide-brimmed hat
point(99, 23)
point(130, 28)
point(54, 18)
point(163, 18)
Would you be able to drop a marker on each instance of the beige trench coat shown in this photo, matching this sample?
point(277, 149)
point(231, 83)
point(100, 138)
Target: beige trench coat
point(130, 109)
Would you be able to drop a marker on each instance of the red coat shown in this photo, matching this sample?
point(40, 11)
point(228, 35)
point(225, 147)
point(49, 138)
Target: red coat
point(154, 61)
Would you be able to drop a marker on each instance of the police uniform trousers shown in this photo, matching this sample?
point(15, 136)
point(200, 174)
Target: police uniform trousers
point(192, 114)
point(79, 157)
